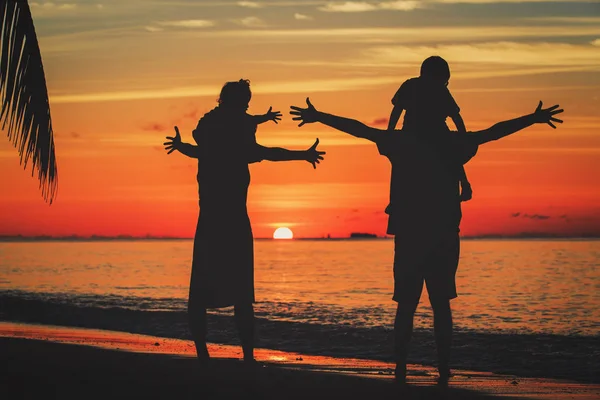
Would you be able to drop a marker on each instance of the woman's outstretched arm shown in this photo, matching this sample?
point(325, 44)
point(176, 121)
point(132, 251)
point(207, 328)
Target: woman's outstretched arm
point(312, 155)
point(175, 143)
point(353, 127)
point(505, 128)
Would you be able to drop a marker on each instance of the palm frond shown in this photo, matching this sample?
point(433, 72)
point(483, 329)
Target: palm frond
point(25, 113)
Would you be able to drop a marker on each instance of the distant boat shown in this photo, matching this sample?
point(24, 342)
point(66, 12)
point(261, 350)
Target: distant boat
point(360, 235)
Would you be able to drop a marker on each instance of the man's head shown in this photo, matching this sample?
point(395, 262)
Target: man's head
point(236, 95)
point(436, 69)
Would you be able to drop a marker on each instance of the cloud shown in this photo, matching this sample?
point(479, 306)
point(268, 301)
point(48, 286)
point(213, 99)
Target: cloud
point(193, 114)
point(189, 23)
point(479, 60)
point(154, 127)
point(402, 5)
point(48, 9)
point(48, 5)
point(363, 6)
point(595, 42)
point(74, 9)
point(249, 4)
point(505, 1)
point(568, 20)
point(380, 122)
point(349, 6)
point(507, 53)
point(64, 135)
point(251, 22)
point(435, 34)
point(302, 17)
point(275, 87)
point(538, 217)
point(153, 29)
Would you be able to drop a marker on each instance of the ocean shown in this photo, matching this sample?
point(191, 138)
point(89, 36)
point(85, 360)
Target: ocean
point(525, 306)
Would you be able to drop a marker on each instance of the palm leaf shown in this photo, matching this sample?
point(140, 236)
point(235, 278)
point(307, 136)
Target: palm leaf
point(25, 113)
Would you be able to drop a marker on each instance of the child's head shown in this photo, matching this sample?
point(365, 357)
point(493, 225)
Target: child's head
point(436, 69)
point(236, 95)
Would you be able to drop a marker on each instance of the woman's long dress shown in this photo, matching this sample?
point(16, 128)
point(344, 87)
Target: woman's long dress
point(223, 259)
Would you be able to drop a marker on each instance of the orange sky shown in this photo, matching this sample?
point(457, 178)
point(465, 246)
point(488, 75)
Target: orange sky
point(122, 73)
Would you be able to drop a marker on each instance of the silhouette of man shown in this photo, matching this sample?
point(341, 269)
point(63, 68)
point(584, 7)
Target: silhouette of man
point(426, 226)
point(223, 259)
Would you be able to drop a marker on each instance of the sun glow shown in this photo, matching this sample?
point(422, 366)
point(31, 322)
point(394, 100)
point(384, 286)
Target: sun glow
point(283, 233)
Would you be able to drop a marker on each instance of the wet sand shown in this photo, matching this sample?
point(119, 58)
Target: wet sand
point(58, 362)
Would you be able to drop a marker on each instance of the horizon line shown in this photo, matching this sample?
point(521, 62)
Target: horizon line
point(5, 238)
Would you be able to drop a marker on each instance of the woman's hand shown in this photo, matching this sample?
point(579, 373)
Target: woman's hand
point(314, 156)
point(174, 143)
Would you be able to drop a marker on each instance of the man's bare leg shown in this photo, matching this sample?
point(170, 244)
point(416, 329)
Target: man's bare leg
point(442, 325)
point(403, 327)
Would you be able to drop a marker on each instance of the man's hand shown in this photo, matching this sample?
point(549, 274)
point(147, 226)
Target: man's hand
point(314, 156)
point(273, 115)
point(306, 115)
point(174, 143)
point(546, 116)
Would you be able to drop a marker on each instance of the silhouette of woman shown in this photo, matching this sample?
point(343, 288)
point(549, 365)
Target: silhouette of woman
point(223, 258)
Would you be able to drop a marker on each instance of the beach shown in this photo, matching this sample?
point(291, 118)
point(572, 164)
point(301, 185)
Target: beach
point(68, 363)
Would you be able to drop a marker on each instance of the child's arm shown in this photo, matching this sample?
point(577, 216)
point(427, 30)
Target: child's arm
point(184, 148)
point(394, 117)
point(269, 116)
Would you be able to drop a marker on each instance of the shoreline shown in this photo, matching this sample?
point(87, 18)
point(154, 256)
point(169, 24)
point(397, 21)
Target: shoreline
point(315, 374)
point(535, 355)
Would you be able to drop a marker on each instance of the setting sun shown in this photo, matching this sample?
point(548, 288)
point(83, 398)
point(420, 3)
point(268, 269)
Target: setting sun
point(283, 233)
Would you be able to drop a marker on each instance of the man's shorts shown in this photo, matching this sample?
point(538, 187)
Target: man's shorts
point(432, 259)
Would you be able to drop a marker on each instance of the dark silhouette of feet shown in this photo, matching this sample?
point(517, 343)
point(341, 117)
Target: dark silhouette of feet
point(400, 375)
point(444, 376)
point(202, 352)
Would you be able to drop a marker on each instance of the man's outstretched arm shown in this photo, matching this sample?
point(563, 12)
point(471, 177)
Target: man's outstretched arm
point(175, 143)
point(505, 128)
point(312, 155)
point(353, 127)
